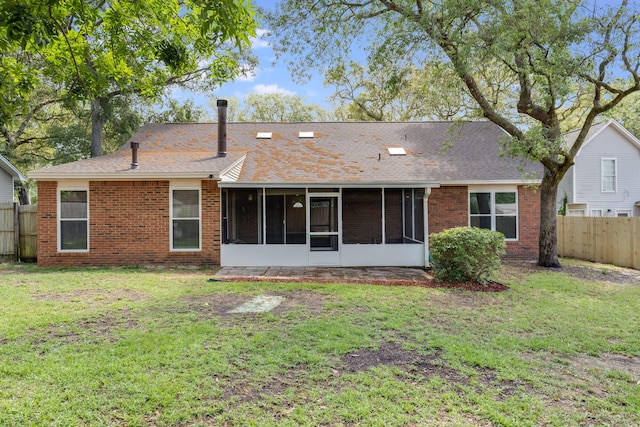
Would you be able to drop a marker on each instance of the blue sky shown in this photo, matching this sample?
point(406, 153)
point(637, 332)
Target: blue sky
point(270, 77)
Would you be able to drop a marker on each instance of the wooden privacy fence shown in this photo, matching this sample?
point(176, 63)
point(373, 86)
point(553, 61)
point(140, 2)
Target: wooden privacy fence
point(18, 230)
point(609, 240)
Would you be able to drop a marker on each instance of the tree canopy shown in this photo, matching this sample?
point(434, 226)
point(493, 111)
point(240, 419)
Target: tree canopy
point(556, 54)
point(275, 107)
point(88, 52)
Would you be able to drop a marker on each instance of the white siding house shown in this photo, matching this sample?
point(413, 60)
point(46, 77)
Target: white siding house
point(605, 179)
point(9, 174)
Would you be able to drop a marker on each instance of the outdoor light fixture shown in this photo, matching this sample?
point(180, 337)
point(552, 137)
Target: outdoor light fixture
point(297, 204)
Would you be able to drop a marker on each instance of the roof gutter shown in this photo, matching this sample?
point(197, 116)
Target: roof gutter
point(135, 176)
point(493, 182)
point(349, 184)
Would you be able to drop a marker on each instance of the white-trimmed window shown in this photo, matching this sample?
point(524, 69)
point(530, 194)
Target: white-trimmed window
point(73, 220)
point(596, 212)
point(495, 210)
point(185, 219)
point(608, 175)
point(624, 213)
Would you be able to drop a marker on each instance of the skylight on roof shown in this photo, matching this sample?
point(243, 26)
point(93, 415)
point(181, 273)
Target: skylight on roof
point(264, 135)
point(397, 151)
point(305, 134)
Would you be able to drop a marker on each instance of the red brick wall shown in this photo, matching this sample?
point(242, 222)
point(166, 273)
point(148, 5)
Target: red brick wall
point(528, 225)
point(449, 207)
point(128, 225)
point(47, 223)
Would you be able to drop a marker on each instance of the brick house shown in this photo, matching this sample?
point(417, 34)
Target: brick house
point(340, 194)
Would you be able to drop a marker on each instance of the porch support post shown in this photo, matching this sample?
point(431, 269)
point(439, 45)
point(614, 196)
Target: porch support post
point(425, 201)
point(384, 234)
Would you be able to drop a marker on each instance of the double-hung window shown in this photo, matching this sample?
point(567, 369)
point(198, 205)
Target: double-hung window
point(185, 219)
point(73, 220)
point(608, 175)
point(495, 210)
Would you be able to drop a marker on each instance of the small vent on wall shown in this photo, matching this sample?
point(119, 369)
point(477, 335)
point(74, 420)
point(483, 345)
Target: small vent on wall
point(397, 151)
point(305, 134)
point(264, 135)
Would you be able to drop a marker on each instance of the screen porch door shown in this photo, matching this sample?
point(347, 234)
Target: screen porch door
point(324, 235)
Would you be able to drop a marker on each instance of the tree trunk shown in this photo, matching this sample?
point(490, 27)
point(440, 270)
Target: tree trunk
point(548, 241)
point(23, 195)
point(97, 125)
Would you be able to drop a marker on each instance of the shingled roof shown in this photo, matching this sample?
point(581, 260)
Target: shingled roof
point(324, 153)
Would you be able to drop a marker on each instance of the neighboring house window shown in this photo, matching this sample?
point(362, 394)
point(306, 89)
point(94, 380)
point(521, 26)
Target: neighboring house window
point(623, 213)
point(73, 227)
point(185, 219)
point(596, 212)
point(495, 210)
point(608, 175)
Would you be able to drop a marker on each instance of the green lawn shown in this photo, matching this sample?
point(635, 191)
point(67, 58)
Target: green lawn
point(131, 347)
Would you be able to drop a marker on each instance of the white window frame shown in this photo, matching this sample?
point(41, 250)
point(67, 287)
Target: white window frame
point(60, 220)
point(199, 218)
point(603, 176)
point(597, 212)
point(627, 213)
point(493, 191)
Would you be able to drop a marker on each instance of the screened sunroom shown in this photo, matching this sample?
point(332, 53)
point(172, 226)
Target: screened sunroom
point(339, 226)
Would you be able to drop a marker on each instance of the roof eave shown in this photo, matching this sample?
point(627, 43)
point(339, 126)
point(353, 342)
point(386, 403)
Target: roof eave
point(12, 170)
point(126, 176)
point(332, 184)
point(493, 182)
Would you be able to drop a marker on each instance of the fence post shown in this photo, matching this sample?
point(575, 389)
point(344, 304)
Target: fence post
point(16, 231)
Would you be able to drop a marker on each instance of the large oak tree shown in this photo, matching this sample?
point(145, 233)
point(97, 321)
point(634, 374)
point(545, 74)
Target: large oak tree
point(88, 52)
point(557, 53)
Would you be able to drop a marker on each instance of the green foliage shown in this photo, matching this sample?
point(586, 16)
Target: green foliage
point(89, 53)
point(397, 91)
point(563, 205)
point(464, 254)
point(627, 114)
point(275, 107)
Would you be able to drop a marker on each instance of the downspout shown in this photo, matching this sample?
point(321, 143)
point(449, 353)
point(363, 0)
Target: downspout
point(425, 201)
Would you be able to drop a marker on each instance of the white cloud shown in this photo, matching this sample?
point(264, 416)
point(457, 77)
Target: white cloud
point(274, 88)
point(246, 73)
point(259, 42)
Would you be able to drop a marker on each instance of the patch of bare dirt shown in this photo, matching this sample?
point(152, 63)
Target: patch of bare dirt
point(276, 386)
point(608, 362)
point(92, 296)
point(583, 377)
point(580, 269)
point(100, 327)
point(392, 354)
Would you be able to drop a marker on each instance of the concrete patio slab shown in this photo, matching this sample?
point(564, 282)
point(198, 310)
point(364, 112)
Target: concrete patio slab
point(375, 275)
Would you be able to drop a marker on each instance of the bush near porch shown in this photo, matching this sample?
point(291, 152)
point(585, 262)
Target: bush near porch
point(140, 347)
